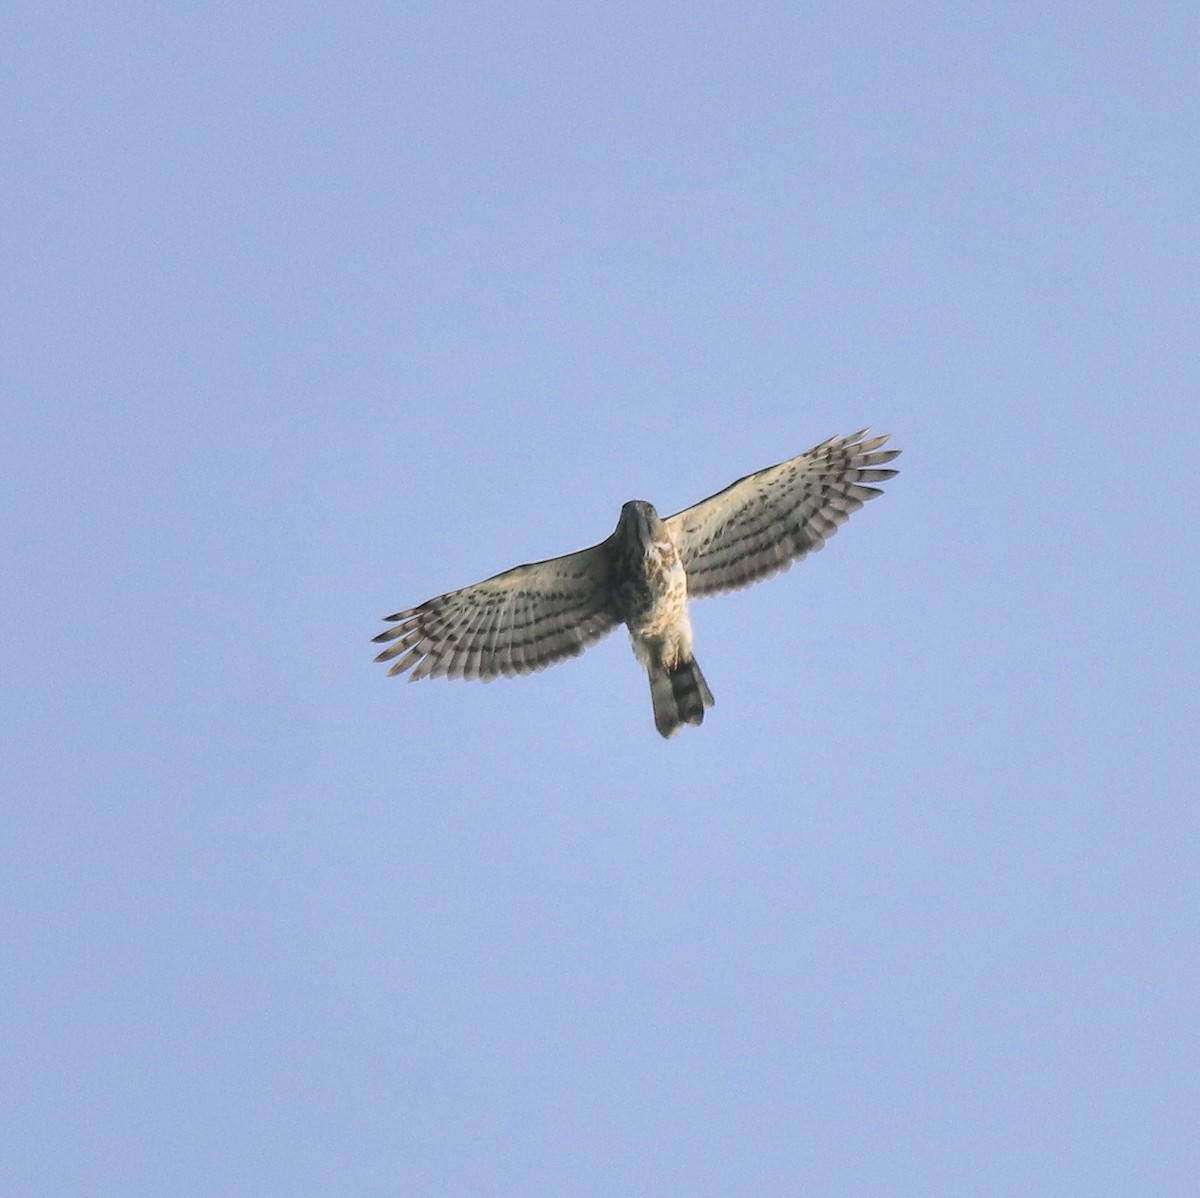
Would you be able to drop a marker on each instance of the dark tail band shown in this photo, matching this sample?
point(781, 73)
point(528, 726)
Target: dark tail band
point(679, 697)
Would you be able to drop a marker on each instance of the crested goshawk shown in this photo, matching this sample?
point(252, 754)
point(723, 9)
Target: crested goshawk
point(642, 576)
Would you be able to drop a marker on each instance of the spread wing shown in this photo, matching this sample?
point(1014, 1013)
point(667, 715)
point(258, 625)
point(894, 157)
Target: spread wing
point(767, 520)
point(519, 621)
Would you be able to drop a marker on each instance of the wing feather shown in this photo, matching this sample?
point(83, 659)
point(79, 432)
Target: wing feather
point(762, 523)
point(516, 622)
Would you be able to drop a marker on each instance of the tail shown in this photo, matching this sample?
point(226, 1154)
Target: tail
point(679, 697)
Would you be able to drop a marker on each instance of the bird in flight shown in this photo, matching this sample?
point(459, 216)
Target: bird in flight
point(642, 576)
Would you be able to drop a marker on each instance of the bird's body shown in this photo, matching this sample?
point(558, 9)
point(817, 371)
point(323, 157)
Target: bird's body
point(650, 598)
point(642, 576)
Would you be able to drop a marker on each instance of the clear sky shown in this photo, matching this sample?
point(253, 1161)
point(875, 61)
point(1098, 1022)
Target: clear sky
point(314, 311)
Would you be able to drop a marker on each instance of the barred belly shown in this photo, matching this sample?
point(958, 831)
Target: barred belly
point(661, 633)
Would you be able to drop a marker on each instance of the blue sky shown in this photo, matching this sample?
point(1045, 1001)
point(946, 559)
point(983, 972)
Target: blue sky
point(312, 312)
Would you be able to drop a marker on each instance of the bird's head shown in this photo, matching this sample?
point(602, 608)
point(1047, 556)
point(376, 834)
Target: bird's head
point(640, 522)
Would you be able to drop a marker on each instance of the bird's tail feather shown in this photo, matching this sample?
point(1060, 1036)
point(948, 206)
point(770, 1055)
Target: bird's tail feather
point(679, 697)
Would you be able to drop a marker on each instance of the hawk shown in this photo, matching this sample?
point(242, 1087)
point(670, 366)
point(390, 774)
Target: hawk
point(642, 576)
